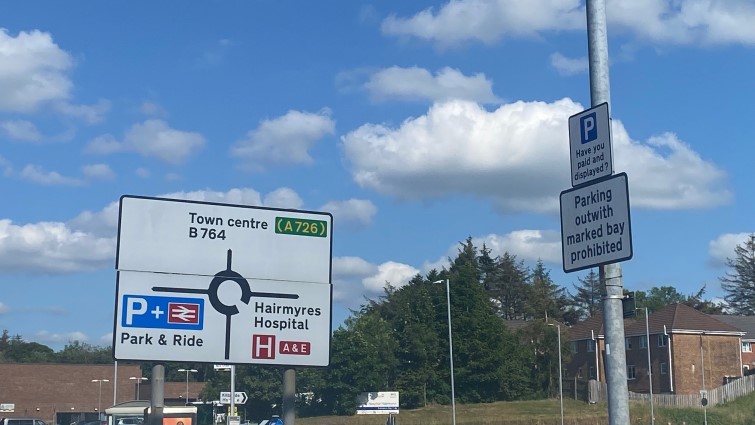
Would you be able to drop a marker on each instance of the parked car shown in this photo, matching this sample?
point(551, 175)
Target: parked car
point(22, 421)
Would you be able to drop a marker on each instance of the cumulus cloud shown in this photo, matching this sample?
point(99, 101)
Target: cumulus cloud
point(33, 71)
point(355, 279)
point(487, 20)
point(568, 66)
point(283, 140)
point(20, 130)
point(4, 308)
point(283, 197)
point(152, 109)
point(518, 156)
point(722, 248)
point(152, 138)
point(419, 84)
point(49, 247)
point(98, 171)
point(37, 174)
point(351, 211)
point(659, 21)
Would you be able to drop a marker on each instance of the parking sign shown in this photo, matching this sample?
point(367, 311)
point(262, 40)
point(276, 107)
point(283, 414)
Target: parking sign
point(590, 145)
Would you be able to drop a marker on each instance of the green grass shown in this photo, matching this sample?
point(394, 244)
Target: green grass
point(547, 412)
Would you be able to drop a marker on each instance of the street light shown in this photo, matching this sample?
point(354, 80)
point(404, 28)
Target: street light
point(560, 376)
point(650, 367)
point(187, 381)
point(99, 399)
point(138, 381)
point(450, 349)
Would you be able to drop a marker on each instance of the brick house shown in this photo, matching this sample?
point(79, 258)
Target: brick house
point(747, 325)
point(681, 340)
point(64, 393)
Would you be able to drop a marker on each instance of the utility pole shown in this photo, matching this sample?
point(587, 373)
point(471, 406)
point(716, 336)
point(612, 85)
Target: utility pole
point(610, 274)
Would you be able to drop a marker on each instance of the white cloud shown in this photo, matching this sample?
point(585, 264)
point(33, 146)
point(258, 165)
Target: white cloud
point(142, 172)
point(488, 20)
point(6, 166)
point(419, 84)
point(91, 114)
point(356, 211)
point(37, 174)
point(4, 308)
point(722, 248)
point(391, 272)
point(152, 138)
point(105, 144)
point(54, 337)
point(172, 177)
point(49, 247)
point(352, 267)
point(33, 71)
point(569, 66)
point(283, 197)
point(660, 21)
point(20, 130)
point(98, 171)
point(284, 140)
point(517, 156)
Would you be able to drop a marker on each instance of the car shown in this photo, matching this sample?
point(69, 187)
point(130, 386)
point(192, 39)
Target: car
point(22, 421)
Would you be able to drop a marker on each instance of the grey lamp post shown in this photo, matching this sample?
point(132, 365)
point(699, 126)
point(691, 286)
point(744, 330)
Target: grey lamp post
point(99, 398)
point(450, 349)
point(187, 381)
point(138, 381)
point(560, 375)
point(650, 366)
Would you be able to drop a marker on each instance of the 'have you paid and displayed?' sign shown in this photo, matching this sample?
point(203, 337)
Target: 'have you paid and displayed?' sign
point(595, 224)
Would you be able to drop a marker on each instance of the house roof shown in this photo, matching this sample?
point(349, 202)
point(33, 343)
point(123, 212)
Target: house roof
point(744, 323)
point(675, 317)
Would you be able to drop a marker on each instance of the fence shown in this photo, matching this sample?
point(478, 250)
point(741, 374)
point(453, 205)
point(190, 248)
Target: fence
point(598, 391)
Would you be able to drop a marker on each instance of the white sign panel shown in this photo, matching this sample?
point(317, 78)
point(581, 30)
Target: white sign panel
point(378, 403)
point(239, 397)
point(590, 145)
point(595, 224)
point(222, 284)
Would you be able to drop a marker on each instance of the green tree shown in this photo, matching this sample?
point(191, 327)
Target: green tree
point(739, 281)
point(658, 297)
point(545, 298)
point(587, 299)
point(507, 285)
point(83, 353)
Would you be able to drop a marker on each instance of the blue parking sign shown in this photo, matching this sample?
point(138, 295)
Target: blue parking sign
point(147, 311)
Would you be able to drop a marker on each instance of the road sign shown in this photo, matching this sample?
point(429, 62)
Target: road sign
point(595, 224)
point(590, 145)
point(239, 397)
point(215, 283)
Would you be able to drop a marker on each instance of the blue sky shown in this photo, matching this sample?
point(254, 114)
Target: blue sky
point(416, 124)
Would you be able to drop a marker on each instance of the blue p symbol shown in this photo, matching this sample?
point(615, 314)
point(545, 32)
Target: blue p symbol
point(588, 129)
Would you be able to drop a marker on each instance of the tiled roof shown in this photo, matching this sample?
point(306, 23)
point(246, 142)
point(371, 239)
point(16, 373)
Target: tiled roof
point(675, 317)
point(744, 323)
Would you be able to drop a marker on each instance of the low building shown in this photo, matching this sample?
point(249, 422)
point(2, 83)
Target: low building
point(747, 325)
point(62, 394)
point(689, 351)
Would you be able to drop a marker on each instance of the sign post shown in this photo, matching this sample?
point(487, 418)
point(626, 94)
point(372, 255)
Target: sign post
point(590, 145)
point(218, 283)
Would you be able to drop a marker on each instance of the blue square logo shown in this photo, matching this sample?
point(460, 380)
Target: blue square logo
point(588, 128)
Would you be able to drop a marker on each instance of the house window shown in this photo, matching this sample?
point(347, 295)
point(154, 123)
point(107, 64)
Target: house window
point(746, 347)
point(592, 372)
point(662, 340)
point(664, 368)
point(631, 372)
point(574, 347)
point(590, 346)
point(627, 343)
point(643, 341)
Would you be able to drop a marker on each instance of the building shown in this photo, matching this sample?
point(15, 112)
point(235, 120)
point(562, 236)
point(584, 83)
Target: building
point(689, 351)
point(747, 325)
point(62, 394)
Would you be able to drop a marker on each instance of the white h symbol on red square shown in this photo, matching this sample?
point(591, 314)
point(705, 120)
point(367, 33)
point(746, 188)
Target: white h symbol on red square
point(263, 346)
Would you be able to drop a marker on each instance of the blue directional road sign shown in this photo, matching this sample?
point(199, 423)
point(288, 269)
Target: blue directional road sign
point(143, 311)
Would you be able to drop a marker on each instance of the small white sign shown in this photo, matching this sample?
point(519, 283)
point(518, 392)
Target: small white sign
point(378, 403)
point(595, 224)
point(239, 397)
point(590, 145)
